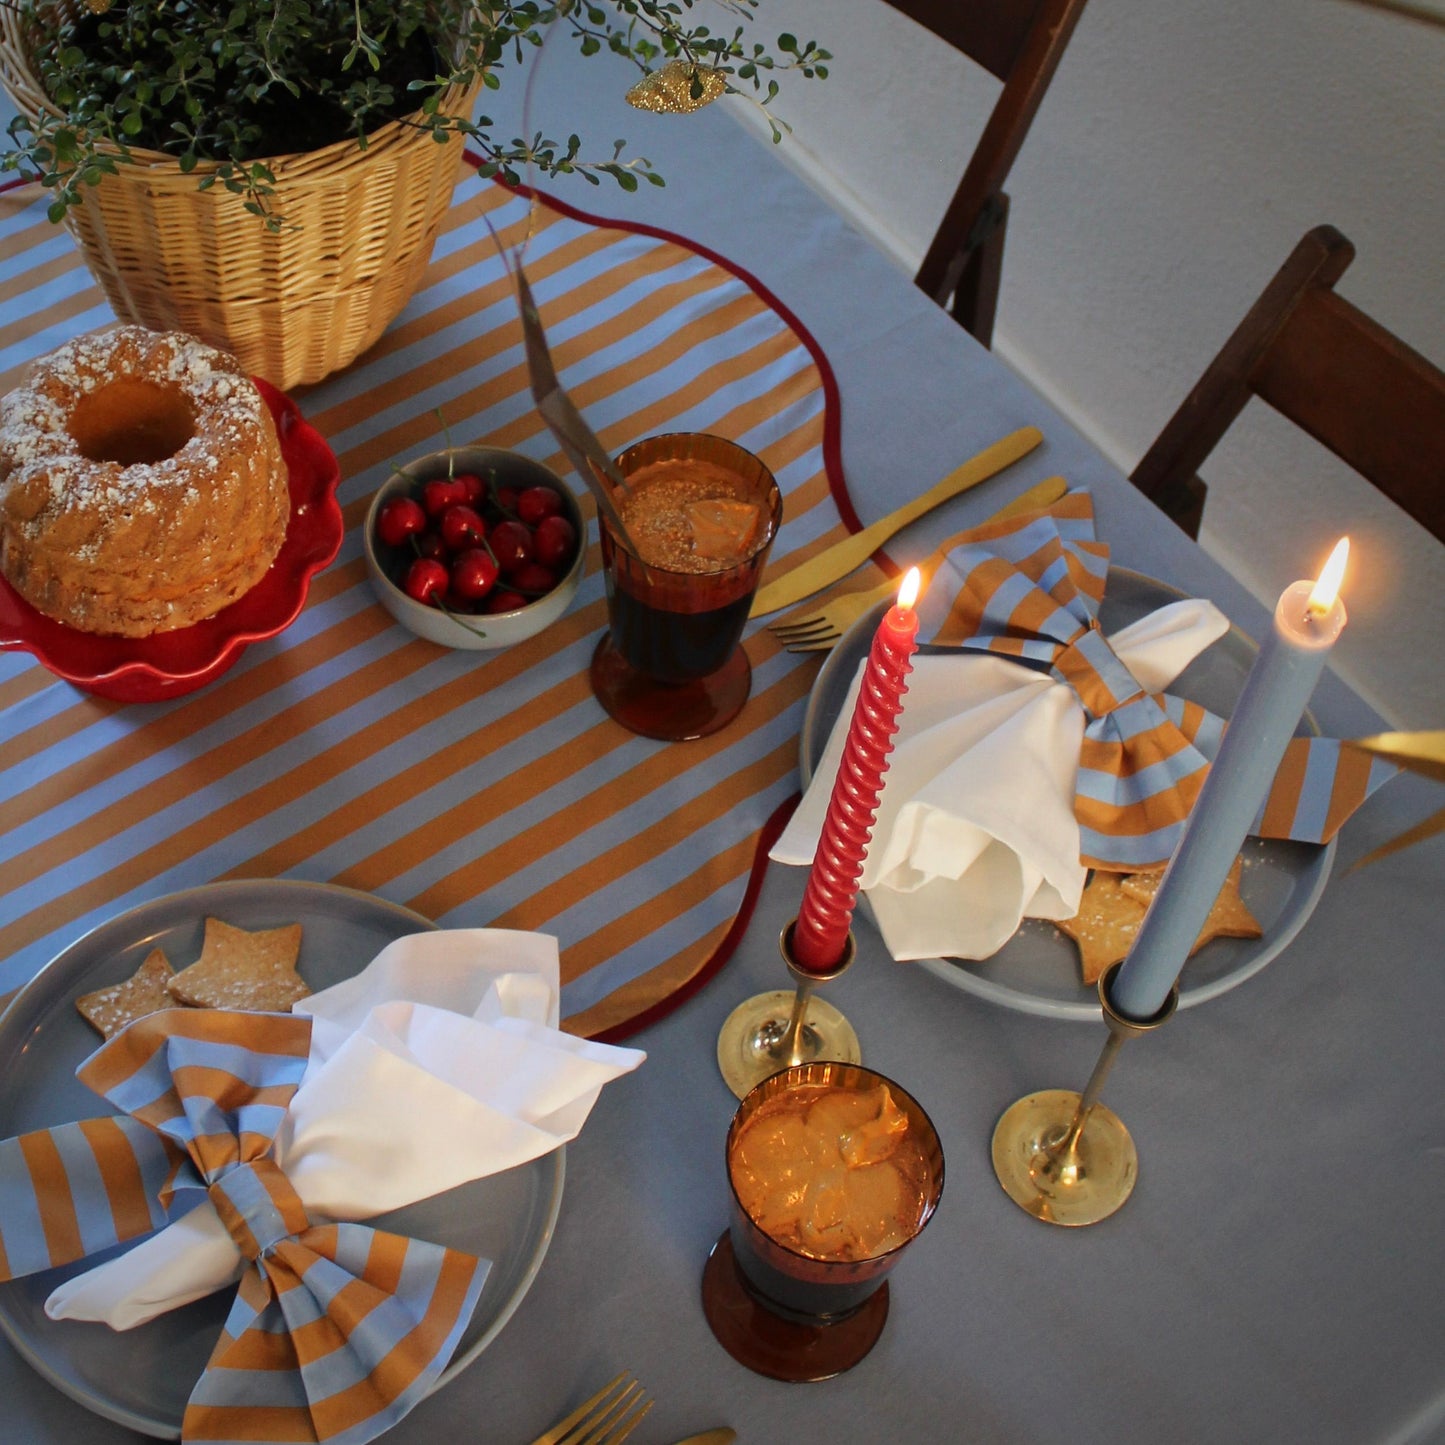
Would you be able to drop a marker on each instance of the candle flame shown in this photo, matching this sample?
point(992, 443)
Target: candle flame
point(1327, 589)
point(912, 583)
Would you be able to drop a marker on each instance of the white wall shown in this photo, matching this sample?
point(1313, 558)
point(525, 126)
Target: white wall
point(1181, 152)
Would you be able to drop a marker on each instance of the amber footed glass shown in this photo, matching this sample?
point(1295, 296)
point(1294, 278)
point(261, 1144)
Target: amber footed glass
point(800, 1291)
point(701, 519)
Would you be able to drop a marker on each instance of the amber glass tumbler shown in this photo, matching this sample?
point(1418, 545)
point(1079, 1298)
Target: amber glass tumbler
point(787, 1314)
point(671, 664)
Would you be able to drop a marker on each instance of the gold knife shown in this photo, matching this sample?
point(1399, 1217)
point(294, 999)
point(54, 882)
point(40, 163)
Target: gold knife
point(1040, 495)
point(841, 558)
point(721, 1436)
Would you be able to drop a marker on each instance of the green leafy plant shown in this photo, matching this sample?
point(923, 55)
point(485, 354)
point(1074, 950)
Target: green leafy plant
point(226, 86)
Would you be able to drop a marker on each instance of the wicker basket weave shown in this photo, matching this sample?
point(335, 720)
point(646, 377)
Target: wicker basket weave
point(294, 306)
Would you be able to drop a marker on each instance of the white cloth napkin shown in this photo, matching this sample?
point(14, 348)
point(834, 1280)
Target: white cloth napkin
point(975, 828)
point(439, 1063)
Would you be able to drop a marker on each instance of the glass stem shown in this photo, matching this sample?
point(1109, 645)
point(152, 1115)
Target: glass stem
point(790, 1047)
point(1068, 1143)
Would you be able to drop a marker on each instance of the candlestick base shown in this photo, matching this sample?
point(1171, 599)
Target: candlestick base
point(1062, 1156)
point(781, 1028)
point(752, 1044)
point(1054, 1182)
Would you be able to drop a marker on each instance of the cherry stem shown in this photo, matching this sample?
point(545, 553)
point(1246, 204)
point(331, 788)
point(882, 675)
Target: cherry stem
point(456, 617)
point(451, 450)
point(508, 512)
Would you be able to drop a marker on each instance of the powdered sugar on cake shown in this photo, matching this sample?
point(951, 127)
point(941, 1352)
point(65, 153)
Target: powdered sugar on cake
point(141, 482)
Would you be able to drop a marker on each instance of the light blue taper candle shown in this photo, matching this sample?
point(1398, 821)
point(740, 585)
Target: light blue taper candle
point(1307, 621)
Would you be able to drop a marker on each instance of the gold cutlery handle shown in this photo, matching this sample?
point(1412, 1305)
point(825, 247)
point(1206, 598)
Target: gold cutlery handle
point(840, 559)
point(987, 464)
point(1040, 495)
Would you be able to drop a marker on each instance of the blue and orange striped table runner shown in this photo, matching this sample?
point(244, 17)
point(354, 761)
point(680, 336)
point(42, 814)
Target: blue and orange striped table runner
point(476, 788)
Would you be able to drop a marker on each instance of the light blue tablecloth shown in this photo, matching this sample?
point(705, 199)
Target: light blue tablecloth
point(1276, 1276)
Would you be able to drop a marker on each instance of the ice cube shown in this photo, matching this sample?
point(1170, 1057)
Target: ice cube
point(877, 1136)
point(839, 1111)
point(824, 1226)
point(724, 530)
point(773, 1147)
point(878, 1208)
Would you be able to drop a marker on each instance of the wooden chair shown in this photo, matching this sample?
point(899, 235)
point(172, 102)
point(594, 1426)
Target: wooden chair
point(1021, 42)
point(1322, 363)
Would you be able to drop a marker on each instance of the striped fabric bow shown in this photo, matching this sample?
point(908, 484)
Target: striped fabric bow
point(1031, 588)
point(337, 1330)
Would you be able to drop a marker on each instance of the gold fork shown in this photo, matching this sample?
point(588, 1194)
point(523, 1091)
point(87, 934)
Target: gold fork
point(608, 1418)
point(820, 631)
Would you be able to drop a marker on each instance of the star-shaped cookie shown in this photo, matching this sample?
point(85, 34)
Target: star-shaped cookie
point(242, 969)
point(1229, 918)
point(109, 1010)
point(1113, 906)
point(1105, 926)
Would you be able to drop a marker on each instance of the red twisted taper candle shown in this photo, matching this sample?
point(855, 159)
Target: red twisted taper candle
point(821, 932)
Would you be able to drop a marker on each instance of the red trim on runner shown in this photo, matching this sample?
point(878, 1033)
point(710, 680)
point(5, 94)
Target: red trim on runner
point(833, 466)
point(767, 836)
point(832, 398)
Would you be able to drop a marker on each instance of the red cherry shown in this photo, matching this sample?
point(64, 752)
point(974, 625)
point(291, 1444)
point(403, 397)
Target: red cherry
point(398, 519)
point(473, 487)
point(512, 544)
point(440, 493)
point(426, 580)
point(430, 544)
point(534, 579)
point(534, 503)
point(556, 538)
point(462, 527)
point(473, 574)
point(504, 600)
point(505, 498)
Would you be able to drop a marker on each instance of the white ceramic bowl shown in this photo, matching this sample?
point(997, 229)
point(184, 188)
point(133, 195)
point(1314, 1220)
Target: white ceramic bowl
point(500, 629)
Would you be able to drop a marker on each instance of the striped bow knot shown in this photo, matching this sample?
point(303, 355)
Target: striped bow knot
point(336, 1330)
point(1030, 588)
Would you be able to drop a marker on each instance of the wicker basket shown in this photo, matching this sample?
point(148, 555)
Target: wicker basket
point(294, 306)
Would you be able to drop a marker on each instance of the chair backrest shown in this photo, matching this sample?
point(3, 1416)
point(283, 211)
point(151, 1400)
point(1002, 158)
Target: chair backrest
point(1340, 376)
point(1021, 42)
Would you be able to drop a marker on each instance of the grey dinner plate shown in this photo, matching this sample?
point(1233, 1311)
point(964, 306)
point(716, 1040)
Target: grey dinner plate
point(1037, 971)
point(141, 1378)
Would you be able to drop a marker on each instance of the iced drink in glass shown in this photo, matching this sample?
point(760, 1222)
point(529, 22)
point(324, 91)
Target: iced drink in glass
point(700, 514)
point(834, 1170)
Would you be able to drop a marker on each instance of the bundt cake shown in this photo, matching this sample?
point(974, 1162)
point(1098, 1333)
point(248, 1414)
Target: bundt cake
point(142, 486)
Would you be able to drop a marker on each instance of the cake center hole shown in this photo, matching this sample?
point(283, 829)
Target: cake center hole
point(132, 422)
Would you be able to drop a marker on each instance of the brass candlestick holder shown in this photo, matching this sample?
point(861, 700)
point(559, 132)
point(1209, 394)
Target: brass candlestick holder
point(780, 1029)
point(1062, 1156)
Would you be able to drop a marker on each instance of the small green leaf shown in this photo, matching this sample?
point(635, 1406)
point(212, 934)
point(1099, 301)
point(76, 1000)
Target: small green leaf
point(188, 77)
